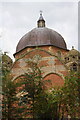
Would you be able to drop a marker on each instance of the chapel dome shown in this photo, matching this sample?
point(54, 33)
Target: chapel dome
point(41, 36)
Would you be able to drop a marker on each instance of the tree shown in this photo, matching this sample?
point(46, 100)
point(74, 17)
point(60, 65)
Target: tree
point(35, 97)
point(68, 96)
point(65, 100)
point(71, 94)
point(8, 92)
point(54, 102)
point(9, 97)
point(32, 103)
point(31, 100)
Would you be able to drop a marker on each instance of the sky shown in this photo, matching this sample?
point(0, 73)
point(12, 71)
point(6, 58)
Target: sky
point(18, 18)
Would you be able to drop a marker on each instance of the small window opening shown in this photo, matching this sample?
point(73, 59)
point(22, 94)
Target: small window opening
point(79, 57)
point(66, 59)
point(73, 57)
point(74, 67)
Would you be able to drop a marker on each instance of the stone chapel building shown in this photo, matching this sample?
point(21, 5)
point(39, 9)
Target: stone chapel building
point(51, 48)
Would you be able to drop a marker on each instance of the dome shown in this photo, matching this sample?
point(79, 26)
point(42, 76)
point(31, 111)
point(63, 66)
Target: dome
point(41, 36)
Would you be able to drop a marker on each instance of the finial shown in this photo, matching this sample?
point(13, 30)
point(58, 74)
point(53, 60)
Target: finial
point(5, 53)
point(41, 21)
point(41, 12)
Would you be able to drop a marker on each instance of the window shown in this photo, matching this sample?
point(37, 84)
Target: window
point(79, 57)
point(73, 57)
point(66, 59)
point(74, 67)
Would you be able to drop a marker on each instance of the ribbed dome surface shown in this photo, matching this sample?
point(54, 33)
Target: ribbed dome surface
point(39, 37)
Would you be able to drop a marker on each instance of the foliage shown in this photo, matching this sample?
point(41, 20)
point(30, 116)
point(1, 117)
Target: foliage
point(56, 103)
point(71, 94)
point(36, 102)
point(68, 96)
point(8, 92)
point(8, 97)
point(35, 97)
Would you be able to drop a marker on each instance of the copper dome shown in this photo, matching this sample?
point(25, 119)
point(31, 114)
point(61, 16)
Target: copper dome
point(39, 37)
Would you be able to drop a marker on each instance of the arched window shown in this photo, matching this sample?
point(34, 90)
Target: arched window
point(73, 57)
point(66, 59)
point(79, 57)
point(74, 67)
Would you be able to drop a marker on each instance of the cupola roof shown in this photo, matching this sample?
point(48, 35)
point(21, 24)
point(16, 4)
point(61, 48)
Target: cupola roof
point(41, 36)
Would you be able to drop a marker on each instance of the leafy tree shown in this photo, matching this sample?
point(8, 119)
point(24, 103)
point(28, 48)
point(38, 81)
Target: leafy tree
point(68, 96)
point(35, 97)
point(71, 94)
point(65, 100)
point(8, 92)
point(54, 102)
point(9, 97)
point(36, 102)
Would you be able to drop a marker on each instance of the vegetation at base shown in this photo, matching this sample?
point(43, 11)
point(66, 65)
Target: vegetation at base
point(35, 102)
point(35, 99)
point(68, 96)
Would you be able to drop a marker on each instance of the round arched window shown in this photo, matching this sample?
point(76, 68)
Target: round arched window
point(66, 59)
point(74, 67)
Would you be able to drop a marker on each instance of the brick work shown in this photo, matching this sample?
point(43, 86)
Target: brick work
point(51, 49)
point(48, 62)
point(54, 80)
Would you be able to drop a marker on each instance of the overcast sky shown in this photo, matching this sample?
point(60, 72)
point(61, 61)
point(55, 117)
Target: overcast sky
point(18, 18)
